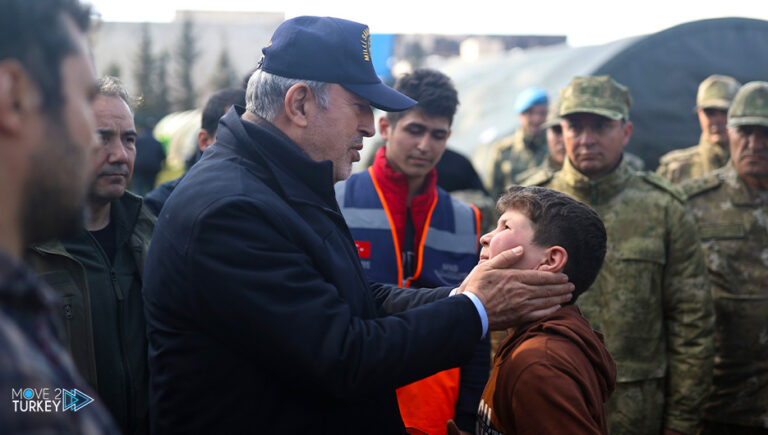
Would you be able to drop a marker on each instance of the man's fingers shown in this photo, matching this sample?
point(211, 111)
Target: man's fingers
point(505, 259)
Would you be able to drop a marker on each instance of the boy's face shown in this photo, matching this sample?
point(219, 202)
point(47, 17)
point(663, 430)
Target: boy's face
point(514, 229)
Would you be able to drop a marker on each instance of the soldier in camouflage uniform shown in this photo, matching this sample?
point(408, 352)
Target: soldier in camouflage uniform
point(652, 299)
point(730, 206)
point(712, 101)
point(556, 146)
point(524, 149)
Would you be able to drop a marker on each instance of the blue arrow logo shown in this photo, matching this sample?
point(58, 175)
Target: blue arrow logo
point(75, 399)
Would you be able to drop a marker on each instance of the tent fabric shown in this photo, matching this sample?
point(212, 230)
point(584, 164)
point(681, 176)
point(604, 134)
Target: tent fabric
point(662, 71)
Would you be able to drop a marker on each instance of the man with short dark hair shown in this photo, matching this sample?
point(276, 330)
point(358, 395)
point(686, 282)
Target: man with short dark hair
point(431, 240)
point(98, 271)
point(712, 101)
point(525, 148)
point(260, 316)
point(216, 106)
point(46, 139)
point(731, 209)
point(651, 299)
point(553, 375)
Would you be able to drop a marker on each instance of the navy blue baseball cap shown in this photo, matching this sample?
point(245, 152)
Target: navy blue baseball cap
point(331, 50)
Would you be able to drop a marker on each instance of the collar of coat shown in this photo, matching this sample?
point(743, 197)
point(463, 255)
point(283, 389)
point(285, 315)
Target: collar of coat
point(599, 191)
point(126, 213)
point(299, 178)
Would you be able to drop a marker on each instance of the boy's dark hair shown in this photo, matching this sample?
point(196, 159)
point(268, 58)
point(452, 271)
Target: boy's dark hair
point(561, 220)
point(35, 33)
point(432, 89)
point(217, 105)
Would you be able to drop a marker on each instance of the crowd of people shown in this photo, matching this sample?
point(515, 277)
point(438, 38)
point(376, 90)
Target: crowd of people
point(270, 290)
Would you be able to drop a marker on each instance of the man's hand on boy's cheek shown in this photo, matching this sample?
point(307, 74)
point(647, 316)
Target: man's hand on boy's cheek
point(512, 297)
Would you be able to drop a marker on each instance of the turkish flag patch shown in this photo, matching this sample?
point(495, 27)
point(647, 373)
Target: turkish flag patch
point(363, 249)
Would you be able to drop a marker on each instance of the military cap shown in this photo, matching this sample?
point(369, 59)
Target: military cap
point(750, 105)
point(530, 97)
point(600, 95)
point(553, 114)
point(716, 92)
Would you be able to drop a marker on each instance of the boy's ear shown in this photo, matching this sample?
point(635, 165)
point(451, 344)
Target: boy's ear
point(554, 259)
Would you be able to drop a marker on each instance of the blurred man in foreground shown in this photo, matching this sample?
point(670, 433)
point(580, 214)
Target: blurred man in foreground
point(46, 140)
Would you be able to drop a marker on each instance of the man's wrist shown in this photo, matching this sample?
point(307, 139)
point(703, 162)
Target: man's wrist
point(478, 306)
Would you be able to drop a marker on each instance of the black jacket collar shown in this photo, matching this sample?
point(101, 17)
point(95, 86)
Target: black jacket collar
point(299, 177)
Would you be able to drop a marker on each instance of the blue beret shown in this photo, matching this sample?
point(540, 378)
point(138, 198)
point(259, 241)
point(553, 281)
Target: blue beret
point(530, 97)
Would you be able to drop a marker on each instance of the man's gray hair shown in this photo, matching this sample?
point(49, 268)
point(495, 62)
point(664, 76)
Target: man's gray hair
point(109, 86)
point(265, 95)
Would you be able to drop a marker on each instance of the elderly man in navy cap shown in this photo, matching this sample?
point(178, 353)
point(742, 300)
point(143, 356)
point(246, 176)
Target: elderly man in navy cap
point(260, 317)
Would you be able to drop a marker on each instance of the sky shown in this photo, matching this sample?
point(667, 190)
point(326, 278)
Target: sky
point(585, 22)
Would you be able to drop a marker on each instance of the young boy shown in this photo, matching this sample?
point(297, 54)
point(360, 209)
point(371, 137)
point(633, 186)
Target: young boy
point(553, 375)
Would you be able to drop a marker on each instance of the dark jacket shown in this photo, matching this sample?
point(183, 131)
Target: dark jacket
point(31, 356)
point(101, 308)
point(155, 199)
point(551, 376)
point(260, 318)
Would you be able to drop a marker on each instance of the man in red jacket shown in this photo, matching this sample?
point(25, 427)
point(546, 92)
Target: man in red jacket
point(423, 238)
point(552, 375)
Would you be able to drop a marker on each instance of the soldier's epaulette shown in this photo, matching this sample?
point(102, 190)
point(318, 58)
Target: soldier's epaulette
point(662, 183)
point(537, 179)
point(700, 185)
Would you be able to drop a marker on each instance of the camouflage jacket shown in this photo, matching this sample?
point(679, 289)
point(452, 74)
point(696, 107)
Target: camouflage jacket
point(512, 155)
point(680, 165)
point(733, 226)
point(546, 168)
point(651, 299)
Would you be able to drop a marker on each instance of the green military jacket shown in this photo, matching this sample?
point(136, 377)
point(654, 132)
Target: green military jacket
point(547, 168)
point(512, 155)
point(680, 165)
point(733, 227)
point(119, 315)
point(651, 299)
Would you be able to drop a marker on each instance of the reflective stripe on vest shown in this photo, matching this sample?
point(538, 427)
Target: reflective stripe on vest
point(446, 253)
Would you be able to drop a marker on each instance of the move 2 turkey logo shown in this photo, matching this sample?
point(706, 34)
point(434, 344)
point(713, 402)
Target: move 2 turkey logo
point(48, 399)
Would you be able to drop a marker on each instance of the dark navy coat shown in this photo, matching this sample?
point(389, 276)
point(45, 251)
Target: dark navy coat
point(259, 316)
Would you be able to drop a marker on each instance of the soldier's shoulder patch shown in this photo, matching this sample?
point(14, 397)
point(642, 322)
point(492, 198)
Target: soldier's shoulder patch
point(697, 186)
point(662, 183)
point(538, 178)
point(681, 155)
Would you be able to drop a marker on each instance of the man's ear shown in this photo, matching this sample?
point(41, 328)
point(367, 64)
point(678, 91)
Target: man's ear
point(204, 140)
point(297, 104)
point(384, 128)
point(18, 95)
point(554, 260)
point(628, 127)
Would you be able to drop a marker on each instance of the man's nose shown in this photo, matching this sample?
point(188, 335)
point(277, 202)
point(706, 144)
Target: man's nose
point(116, 152)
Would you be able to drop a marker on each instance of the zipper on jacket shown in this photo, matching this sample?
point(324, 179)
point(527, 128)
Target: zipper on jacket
point(593, 192)
point(128, 379)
